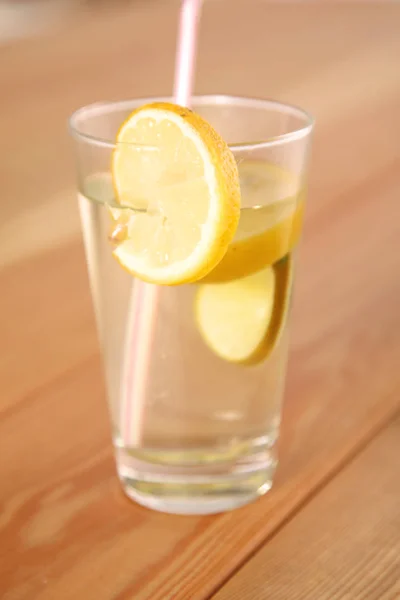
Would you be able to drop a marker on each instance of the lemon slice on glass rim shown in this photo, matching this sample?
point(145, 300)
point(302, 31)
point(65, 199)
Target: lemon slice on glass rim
point(181, 180)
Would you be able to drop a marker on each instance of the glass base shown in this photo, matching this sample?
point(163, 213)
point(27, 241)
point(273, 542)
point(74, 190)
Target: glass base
point(195, 489)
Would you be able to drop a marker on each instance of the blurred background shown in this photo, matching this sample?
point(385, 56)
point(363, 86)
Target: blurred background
point(334, 59)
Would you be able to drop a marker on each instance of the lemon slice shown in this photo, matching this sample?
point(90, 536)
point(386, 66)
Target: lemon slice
point(270, 221)
point(181, 180)
point(241, 321)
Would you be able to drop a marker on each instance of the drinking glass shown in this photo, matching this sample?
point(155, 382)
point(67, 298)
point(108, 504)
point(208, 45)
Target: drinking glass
point(195, 403)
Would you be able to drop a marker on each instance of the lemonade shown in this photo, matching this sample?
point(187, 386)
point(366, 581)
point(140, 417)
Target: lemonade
point(189, 245)
point(232, 413)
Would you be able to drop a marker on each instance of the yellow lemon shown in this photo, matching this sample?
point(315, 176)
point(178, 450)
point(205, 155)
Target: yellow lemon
point(178, 184)
point(241, 321)
point(270, 221)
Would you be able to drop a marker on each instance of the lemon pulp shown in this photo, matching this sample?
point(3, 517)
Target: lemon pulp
point(181, 180)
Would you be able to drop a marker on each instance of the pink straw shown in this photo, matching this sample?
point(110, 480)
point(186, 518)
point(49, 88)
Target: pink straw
point(144, 298)
point(186, 51)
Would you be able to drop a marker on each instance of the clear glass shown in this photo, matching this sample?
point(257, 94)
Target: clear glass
point(206, 425)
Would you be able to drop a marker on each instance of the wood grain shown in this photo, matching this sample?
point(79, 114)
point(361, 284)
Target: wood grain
point(66, 530)
point(345, 544)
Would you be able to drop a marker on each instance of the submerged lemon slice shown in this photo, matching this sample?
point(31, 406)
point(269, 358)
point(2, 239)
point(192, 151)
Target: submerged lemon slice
point(270, 221)
point(241, 321)
point(181, 180)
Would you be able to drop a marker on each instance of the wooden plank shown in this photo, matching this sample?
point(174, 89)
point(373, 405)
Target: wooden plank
point(65, 528)
point(345, 544)
point(54, 330)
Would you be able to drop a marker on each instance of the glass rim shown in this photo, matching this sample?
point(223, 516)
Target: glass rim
point(108, 107)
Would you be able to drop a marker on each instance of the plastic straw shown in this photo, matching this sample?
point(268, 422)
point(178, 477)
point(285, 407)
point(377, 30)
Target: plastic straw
point(144, 297)
point(186, 51)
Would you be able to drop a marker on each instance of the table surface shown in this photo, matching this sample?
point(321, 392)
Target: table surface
point(330, 528)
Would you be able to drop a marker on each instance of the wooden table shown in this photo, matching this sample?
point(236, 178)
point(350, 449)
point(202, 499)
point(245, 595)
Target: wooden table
point(330, 528)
